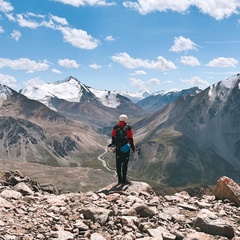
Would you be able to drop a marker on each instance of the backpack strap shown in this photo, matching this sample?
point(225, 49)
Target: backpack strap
point(128, 127)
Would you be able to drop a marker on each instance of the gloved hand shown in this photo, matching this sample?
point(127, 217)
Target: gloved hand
point(111, 145)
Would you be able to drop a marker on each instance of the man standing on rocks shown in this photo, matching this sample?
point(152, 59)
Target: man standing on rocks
point(122, 138)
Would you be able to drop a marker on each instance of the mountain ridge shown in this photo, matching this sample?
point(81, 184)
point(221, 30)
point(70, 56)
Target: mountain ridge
point(195, 136)
point(32, 132)
point(190, 141)
point(155, 102)
point(72, 98)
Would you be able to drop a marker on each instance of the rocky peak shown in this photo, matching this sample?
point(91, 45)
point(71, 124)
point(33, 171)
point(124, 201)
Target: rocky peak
point(4, 93)
point(31, 211)
point(4, 89)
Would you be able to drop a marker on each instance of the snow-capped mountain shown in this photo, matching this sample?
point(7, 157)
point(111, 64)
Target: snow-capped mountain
point(4, 93)
point(32, 132)
point(138, 96)
point(153, 103)
point(195, 139)
point(73, 98)
point(70, 90)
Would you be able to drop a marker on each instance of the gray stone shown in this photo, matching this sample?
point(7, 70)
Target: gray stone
point(96, 236)
point(208, 222)
point(8, 194)
point(156, 233)
point(128, 213)
point(143, 210)
point(199, 236)
point(24, 189)
point(4, 203)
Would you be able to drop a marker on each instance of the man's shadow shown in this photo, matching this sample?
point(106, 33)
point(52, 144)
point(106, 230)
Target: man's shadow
point(115, 188)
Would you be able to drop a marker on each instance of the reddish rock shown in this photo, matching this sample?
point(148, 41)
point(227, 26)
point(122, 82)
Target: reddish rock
point(226, 188)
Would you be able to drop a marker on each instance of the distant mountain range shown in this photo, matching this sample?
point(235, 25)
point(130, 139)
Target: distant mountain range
point(186, 137)
point(154, 102)
point(195, 139)
point(75, 99)
point(138, 96)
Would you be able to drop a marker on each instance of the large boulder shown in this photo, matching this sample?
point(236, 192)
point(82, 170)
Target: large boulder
point(133, 187)
point(210, 223)
point(226, 188)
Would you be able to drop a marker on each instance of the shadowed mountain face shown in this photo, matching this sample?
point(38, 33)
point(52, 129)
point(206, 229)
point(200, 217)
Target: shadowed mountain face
point(31, 132)
point(95, 112)
point(194, 139)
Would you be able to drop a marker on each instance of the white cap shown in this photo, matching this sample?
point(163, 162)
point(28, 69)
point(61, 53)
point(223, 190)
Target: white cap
point(123, 118)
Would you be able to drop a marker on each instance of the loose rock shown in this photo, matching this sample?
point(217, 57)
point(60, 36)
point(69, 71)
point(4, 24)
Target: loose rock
point(132, 212)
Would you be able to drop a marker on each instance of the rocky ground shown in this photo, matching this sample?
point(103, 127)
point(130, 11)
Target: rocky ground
point(127, 212)
point(82, 179)
point(66, 179)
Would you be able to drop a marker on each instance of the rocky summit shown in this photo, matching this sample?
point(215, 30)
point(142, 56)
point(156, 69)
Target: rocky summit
point(116, 212)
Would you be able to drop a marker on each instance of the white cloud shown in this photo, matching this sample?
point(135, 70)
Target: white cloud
point(78, 3)
point(138, 83)
point(31, 14)
point(33, 21)
point(56, 71)
point(145, 7)
point(217, 9)
point(8, 80)
point(183, 44)
point(10, 17)
point(79, 38)
point(190, 61)
point(129, 62)
point(34, 82)
point(5, 6)
point(110, 38)
point(168, 82)
point(24, 64)
point(196, 81)
point(68, 63)
point(139, 72)
point(95, 66)
point(23, 22)
point(76, 37)
point(16, 35)
point(154, 81)
point(59, 20)
point(223, 62)
point(1, 30)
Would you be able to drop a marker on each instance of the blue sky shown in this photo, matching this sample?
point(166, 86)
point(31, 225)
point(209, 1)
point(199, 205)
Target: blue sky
point(119, 45)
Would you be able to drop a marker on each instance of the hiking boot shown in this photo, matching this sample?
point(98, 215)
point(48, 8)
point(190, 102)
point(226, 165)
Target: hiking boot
point(126, 181)
point(120, 181)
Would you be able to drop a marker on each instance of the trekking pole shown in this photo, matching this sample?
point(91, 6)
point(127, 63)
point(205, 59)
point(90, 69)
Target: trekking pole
point(138, 149)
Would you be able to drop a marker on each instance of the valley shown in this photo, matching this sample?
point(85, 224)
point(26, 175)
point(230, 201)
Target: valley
point(190, 141)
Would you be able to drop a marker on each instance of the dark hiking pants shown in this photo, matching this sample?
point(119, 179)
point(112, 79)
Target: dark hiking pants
point(122, 165)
